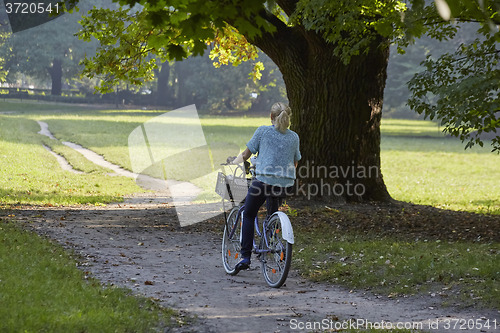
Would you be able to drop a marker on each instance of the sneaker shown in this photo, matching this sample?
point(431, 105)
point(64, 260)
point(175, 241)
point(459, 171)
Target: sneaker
point(242, 265)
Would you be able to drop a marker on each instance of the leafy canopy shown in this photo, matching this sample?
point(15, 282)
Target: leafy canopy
point(134, 35)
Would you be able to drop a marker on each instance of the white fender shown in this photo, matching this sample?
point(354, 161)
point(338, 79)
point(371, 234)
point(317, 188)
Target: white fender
point(286, 227)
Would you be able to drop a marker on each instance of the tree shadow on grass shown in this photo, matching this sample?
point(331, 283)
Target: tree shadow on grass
point(401, 220)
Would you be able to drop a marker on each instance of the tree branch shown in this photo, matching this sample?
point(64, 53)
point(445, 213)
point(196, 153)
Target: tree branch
point(278, 41)
point(267, 40)
point(288, 6)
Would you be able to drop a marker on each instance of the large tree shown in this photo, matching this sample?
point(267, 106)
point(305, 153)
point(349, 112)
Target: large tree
point(332, 54)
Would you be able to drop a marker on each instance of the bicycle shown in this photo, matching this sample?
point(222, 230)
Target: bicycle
point(273, 244)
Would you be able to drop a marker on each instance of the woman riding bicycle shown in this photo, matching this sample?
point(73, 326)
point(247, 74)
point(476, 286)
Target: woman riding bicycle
point(278, 154)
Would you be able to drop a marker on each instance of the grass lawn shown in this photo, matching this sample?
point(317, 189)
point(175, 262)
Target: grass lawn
point(29, 174)
point(421, 166)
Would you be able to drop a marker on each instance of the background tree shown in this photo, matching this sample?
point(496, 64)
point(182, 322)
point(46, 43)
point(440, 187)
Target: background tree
point(226, 88)
point(49, 51)
point(163, 91)
point(332, 56)
point(217, 90)
point(4, 36)
point(404, 66)
point(269, 88)
point(461, 88)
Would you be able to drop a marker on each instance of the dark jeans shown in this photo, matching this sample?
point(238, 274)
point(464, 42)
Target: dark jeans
point(257, 194)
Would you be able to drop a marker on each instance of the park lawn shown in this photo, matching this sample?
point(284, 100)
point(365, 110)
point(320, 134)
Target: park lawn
point(29, 174)
point(106, 132)
point(439, 173)
point(422, 166)
point(411, 128)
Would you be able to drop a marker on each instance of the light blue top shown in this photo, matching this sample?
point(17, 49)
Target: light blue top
point(277, 155)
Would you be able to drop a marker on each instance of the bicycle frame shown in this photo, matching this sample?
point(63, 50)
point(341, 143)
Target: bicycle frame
point(260, 232)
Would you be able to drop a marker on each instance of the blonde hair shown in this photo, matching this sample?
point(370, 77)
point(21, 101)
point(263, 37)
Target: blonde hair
point(280, 115)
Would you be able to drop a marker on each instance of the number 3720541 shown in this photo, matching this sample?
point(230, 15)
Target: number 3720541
point(31, 8)
point(471, 324)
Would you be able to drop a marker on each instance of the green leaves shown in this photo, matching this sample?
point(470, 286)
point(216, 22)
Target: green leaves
point(169, 30)
point(230, 47)
point(131, 40)
point(124, 52)
point(462, 91)
point(352, 26)
point(176, 52)
point(459, 89)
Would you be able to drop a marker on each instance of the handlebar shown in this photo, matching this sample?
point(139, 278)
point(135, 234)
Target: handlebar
point(248, 168)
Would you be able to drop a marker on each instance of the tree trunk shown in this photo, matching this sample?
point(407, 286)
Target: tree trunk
point(56, 76)
point(336, 111)
point(183, 95)
point(162, 89)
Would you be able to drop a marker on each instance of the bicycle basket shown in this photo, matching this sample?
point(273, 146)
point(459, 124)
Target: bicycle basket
point(232, 188)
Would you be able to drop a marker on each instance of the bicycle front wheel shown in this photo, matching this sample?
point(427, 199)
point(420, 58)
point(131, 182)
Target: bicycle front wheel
point(231, 243)
point(277, 258)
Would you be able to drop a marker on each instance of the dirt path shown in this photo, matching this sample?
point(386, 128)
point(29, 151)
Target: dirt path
point(139, 245)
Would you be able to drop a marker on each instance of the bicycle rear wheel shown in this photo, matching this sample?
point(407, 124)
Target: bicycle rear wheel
point(231, 244)
point(276, 261)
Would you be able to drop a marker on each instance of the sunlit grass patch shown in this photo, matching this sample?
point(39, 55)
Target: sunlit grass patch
point(411, 128)
point(106, 132)
point(31, 175)
point(450, 178)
